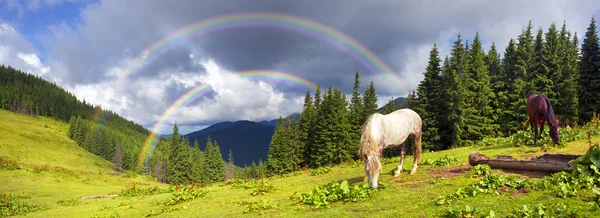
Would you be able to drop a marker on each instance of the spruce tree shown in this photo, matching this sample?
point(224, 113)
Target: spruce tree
point(296, 156)
point(310, 148)
point(197, 162)
point(566, 84)
point(176, 163)
point(478, 111)
point(538, 79)
point(304, 127)
point(356, 114)
point(217, 163)
point(525, 62)
point(551, 67)
point(278, 154)
point(589, 73)
point(429, 100)
point(457, 93)
point(498, 83)
point(369, 103)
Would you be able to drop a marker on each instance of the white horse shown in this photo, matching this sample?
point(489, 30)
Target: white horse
point(382, 131)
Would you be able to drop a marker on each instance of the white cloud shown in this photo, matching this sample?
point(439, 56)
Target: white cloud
point(17, 52)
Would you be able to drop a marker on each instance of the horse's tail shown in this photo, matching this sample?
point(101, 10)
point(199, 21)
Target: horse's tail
point(367, 142)
point(417, 145)
point(551, 116)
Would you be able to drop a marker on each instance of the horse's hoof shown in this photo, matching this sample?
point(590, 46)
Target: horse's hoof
point(412, 172)
point(396, 174)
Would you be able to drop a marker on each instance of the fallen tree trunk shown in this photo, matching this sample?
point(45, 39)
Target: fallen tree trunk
point(546, 162)
point(100, 196)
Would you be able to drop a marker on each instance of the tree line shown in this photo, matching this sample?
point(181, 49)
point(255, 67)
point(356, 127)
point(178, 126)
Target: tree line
point(471, 94)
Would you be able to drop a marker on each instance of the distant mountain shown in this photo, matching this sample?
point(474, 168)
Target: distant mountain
point(400, 101)
point(249, 141)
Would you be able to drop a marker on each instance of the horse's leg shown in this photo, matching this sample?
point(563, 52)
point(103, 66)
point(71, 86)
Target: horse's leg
point(416, 152)
point(542, 123)
point(402, 155)
point(535, 132)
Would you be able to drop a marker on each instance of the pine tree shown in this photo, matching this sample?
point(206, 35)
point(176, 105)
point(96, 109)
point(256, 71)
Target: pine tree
point(454, 92)
point(311, 146)
point(217, 163)
point(498, 83)
point(304, 127)
point(369, 103)
point(176, 163)
point(429, 101)
point(538, 79)
point(356, 114)
point(527, 56)
point(551, 69)
point(295, 145)
point(478, 111)
point(457, 90)
point(279, 154)
point(198, 162)
point(566, 88)
point(589, 73)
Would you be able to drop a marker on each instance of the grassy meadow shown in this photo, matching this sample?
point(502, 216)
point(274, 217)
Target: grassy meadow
point(55, 174)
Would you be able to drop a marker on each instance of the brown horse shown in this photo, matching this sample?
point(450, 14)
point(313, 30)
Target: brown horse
point(540, 110)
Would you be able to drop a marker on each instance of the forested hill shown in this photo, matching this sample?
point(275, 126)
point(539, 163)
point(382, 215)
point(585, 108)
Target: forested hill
point(30, 94)
point(99, 131)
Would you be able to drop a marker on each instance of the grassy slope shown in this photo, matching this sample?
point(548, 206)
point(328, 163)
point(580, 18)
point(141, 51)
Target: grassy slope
point(25, 139)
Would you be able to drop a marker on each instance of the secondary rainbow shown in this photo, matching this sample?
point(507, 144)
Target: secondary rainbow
point(203, 89)
point(319, 31)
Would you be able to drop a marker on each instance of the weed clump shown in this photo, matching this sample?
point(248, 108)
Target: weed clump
point(10, 205)
point(133, 191)
point(323, 196)
point(185, 193)
point(443, 161)
point(319, 171)
point(8, 164)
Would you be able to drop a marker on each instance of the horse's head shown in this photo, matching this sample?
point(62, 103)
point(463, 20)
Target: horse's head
point(555, 134)
point(372, 169)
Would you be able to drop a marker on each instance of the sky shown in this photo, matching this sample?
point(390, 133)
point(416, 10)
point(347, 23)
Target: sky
point(137, 58)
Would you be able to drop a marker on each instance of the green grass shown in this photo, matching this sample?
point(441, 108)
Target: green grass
point(56, 173)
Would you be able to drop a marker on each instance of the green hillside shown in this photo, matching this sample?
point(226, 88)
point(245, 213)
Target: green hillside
point(56, 173)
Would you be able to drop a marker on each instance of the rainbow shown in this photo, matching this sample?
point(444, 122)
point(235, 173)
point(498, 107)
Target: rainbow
point(304, 26)
point(203, 89)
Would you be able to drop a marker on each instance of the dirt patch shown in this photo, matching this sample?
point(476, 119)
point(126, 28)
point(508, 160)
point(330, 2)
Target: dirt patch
point(526, 156)
point(519, 191)
point(449, 172)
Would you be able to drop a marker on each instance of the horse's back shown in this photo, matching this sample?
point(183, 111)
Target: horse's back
point(407, 118)
point(536, 105)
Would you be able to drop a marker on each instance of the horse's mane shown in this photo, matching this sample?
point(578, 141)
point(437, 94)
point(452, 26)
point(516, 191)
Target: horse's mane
point(551, 116)
point(368, 145)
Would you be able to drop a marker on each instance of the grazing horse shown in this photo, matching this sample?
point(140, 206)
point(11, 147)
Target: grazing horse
point(539, 111)
point(382, 131)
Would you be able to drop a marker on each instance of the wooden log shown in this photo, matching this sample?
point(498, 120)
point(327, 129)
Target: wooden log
point(546, 162)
